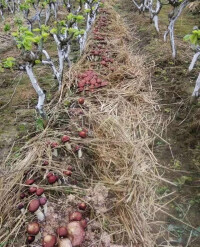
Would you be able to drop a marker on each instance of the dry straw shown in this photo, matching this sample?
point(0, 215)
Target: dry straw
point(123, 119)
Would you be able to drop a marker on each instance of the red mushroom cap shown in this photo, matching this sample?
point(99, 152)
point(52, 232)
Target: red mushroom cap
point(67, 173)
point(30, 239)
point(39, 191)
point(29, 181)
point(34, 205)
point(33, 228)
point(76, 233)
point(54, 144)
point(75, 216)
point(76, 148)
point(43, 201)
point(65, 139)
point(62, 232)
point(82, 134)
point(52, 179)
point(32, 190)
point(45, 163)
point(81, 101)
point(49, 241)
point(82, 206)
point(70, 168)
point(49, 174)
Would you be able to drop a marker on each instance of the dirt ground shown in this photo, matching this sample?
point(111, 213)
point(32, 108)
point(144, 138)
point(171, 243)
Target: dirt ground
point(178, 157)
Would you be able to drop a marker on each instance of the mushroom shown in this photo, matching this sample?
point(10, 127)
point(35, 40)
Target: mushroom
point(29, 181)
point(62, 232)
point(21, 208)
point(30, 239)
point(23, 195)
point(32, 190)
point(45, 163)
point(33, 228)
point(34, 207)
point(64, 242)
point(52, 179)
point(82, 206)
point(43, 202)
point(75, 216)
point(67, 173)
point(76, 233)
point(65, 139)
point(49, 241)
point(40, 191)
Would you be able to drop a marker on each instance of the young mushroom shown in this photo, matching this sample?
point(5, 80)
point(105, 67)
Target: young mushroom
point(82, 206)
point(34, 207)
point(21, 208)
point(62, 232)
point(43, 202)
point(22, 195)
point(66, 139)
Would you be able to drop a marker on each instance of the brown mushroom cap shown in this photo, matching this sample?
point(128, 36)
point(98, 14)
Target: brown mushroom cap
point(62, 232)
point(75, 216)
point(39, 191)
point(49, 241)
point(33, 228)
point(76, 233)
point(34, 205)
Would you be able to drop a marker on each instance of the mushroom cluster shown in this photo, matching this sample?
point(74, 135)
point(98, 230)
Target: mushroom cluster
point(74, 231)
point(89, 81)
point(71, 234)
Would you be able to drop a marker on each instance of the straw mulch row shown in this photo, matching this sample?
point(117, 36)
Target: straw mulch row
point(114, 170)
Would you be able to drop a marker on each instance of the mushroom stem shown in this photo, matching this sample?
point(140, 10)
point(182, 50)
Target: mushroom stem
point(22, 211)
point(45, 209)
point(39, 214)
point(80, 154)
point(68, 146)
